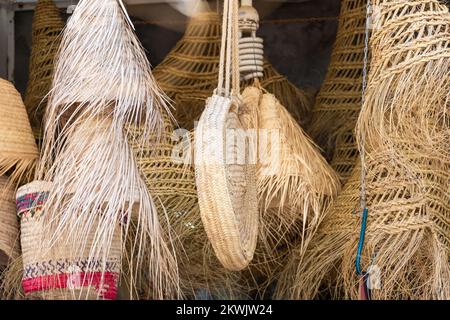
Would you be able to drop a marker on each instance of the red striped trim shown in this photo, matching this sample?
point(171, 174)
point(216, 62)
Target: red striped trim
point(106, 283)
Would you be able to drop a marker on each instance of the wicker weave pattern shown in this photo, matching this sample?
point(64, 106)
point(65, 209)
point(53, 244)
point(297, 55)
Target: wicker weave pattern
point(226, 191)
point(339, 100)
point(44, 265)
point(188, 74)
point(407, 169)
point(47, 26)
point(17, 145)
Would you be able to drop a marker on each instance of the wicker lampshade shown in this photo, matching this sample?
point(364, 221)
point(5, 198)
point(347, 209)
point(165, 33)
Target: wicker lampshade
point(17, 145)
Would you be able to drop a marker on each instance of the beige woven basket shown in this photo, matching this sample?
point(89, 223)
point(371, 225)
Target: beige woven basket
point(18, 149)
point(47, 27)
point(338, 102)
point(188, 74)
point(9, 225)
point(56, 271)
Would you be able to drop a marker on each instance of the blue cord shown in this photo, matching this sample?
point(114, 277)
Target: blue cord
point(361, 241)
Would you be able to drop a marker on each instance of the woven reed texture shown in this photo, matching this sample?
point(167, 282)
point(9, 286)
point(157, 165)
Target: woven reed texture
point(49, 270)
point(9, 225)
point(338, 102)
point(405, 128)
point(47, 27)
point(188, 74)
point(18, 149)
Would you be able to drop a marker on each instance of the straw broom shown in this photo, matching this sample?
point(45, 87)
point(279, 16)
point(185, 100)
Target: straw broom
point(403, 131)
point(102, 85)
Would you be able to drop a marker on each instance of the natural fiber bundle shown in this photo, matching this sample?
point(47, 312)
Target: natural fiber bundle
point(225, 175)
point(103, 86)
point(9, 226)
point(188, 74)
point(47, 27)
point(60, 272)
point(339, 100)
point(18, 149)
point(404, 131)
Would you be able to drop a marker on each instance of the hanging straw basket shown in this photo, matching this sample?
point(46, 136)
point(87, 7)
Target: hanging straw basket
point(47, 27)
point(18, 149)
point(338, 102)
point(55, 272)
point(225, 176)
point(9, 225)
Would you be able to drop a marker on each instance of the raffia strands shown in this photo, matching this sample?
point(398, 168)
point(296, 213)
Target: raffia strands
point(47, 28)
point(9, 227)
point(188, 74)
point(103, 86)
point(11, 280)
point(18, 150)
point(405, 129)
point(101, 69)
point(338, 103)
point(172, 183)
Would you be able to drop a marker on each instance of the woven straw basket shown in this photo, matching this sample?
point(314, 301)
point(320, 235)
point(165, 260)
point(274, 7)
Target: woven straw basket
point(9, 225)
point(17, 145)
point(47, 26)
point(53, 272)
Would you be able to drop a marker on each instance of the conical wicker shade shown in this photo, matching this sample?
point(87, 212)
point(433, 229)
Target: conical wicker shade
point(407, 170)
point(188, 74)
point(339, 100)
point(17, 145)
point(62, 271)
point(47, 26)
point(9, 224)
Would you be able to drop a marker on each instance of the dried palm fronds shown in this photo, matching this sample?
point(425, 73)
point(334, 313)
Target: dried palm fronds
point(9, 227)
point(188, 74)
point(404, 131)
point(338, 103)
point(47, 27)
point(294, 182)
point(224, 173)
point(18, 150)
point(103, 85)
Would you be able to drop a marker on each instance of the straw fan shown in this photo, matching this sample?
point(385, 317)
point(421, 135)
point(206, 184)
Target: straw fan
point(225, 176)
point(338, 102)
point(102, 85)
point(47, 27)
point(399, 247)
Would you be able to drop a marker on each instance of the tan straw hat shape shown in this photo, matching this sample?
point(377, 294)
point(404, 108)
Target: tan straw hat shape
point(17, 145)
point(9, 226)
